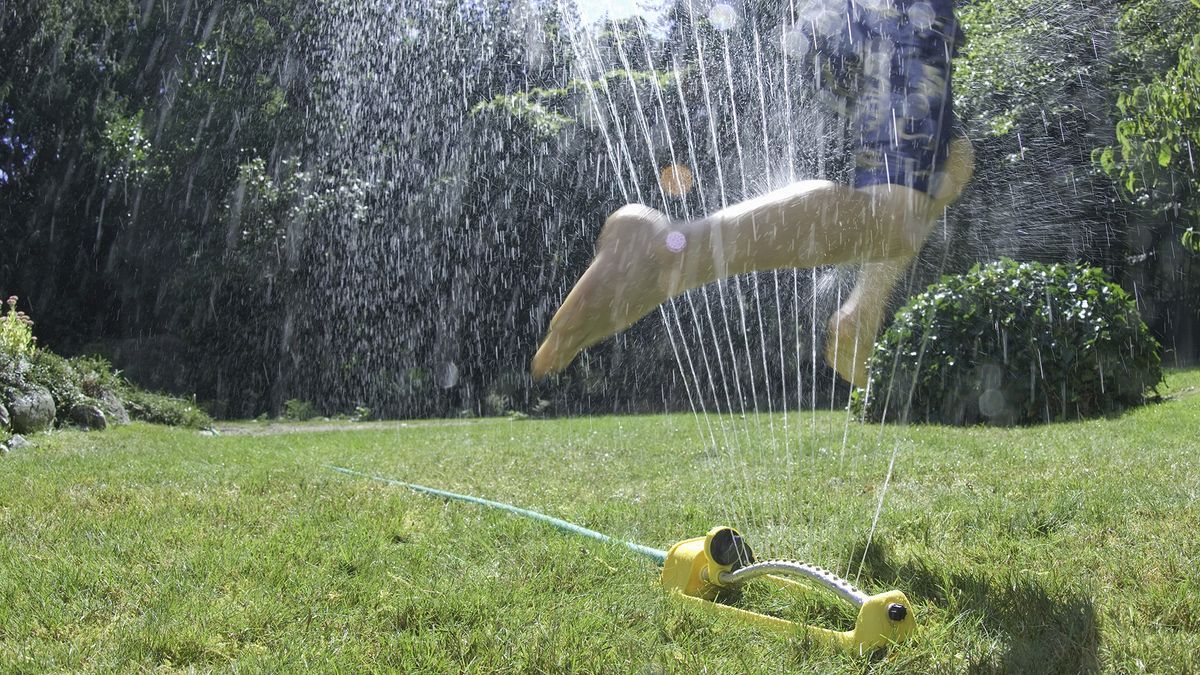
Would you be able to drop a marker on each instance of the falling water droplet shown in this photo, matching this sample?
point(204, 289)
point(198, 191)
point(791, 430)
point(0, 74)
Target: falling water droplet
point(723, 16)
point(796, 43)
point(922, 15)
point(446, 375)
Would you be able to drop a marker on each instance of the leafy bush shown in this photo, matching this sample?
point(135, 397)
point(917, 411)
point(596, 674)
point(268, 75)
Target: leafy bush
point(96, 376)
point(16, 332)
point(497, 404)
point(297, 410)
point(162, 409)
point(79, 381)
point(14, 371)
point(58, 375)
point(1160, 125)
point(1013, 343)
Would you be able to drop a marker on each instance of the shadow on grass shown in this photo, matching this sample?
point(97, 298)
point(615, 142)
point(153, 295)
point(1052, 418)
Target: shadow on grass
point(1043, 630)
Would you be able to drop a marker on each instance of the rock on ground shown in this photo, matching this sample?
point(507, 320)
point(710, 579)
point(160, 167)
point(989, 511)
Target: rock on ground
point(19, 443)
point(89, 417)
point(32, 410)
point(114, 409)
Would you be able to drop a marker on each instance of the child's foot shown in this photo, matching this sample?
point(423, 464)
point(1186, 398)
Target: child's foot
point(851, 333)
point(631, 274)
point(960, 166)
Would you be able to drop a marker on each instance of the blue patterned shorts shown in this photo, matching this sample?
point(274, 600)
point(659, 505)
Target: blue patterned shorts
point(891, 60)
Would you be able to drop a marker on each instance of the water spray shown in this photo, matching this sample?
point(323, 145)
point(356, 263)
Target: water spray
point(698, 571)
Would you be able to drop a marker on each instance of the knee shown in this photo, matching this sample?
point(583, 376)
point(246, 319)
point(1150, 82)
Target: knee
point(956, 172)
point(632, 223)
point(636, 217)
point(636, 213)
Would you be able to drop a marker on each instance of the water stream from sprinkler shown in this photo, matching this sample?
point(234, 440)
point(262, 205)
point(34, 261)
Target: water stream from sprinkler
point(740, 302)
point(722, 93)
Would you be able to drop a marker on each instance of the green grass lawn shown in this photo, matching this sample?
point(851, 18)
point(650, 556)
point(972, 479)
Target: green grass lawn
point(1058, 548)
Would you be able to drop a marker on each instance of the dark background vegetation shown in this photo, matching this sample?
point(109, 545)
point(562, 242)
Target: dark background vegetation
point(380, 204)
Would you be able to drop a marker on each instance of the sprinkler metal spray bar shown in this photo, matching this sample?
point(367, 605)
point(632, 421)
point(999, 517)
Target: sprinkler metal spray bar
point(696, 571)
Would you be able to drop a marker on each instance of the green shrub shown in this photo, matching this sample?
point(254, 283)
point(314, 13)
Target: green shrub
point(162, 409)
point(96, 375)
point(55, 373)
point(16, 332)
point(297, 410)
point(17, 345)
point(1013, 343)
point(14, 371)
point(497, 404)
point(80, 380)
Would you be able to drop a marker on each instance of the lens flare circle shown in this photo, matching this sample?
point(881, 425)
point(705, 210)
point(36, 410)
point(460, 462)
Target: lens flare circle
point(992, 403)
point(723, 16)
point(796, 44)
point(676, 242)
point(676, 180)
point(922, 15)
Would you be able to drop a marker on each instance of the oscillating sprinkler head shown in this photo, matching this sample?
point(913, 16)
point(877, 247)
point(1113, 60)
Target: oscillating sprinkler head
point(694, 567)
point(696, 570)
point(727, 549)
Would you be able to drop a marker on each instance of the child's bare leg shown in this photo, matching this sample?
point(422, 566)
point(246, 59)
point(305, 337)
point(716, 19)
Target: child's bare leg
point(853, 328)
point(643, 259)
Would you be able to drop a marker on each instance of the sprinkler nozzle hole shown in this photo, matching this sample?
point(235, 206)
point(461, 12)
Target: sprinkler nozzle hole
point(897, 612)
point(728, 548)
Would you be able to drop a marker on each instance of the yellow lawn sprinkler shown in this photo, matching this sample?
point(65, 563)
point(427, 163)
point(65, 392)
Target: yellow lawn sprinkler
point(697, 570)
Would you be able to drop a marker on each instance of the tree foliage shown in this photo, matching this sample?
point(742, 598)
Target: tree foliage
point(137, 118)
point(1158, 128)
point(345, 202)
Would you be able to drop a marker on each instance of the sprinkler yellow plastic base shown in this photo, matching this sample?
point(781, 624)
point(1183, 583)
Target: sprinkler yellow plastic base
point(692, 572)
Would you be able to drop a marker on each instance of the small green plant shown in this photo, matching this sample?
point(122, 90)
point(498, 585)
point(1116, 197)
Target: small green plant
point(497, 404)
point(1191, 239)
point(16, 332)
point(296, 410)
point(1013, 343)
point(96, 375)
point(55, 373)
point(162, 409)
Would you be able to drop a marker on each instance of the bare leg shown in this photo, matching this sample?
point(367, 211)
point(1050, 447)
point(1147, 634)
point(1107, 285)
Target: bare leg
point(643, 259)
point(853, 328)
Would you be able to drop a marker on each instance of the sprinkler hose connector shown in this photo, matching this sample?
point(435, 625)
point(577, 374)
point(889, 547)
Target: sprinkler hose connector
point(697, 570)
